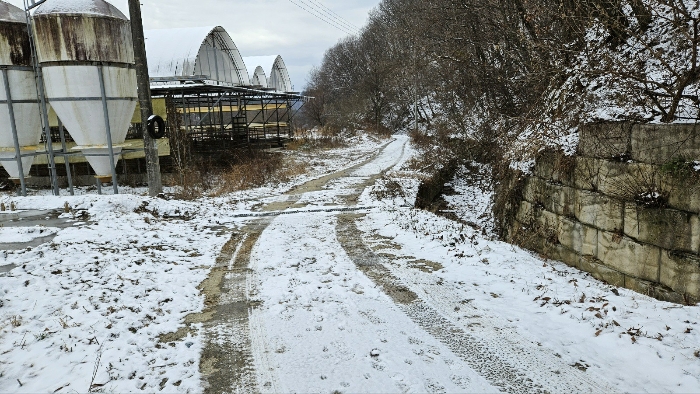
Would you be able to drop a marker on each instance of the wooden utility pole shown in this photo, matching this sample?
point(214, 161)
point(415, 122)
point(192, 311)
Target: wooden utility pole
point(155, 185)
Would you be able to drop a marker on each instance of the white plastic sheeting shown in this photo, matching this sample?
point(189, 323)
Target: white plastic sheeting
point(277, 74)
point(258, 76)
point(200, 51)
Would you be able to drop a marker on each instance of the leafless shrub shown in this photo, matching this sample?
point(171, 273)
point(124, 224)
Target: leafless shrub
point(387, 188)
point(307, 141)
point(644, 186)
point(258, 169)
point(16, 321)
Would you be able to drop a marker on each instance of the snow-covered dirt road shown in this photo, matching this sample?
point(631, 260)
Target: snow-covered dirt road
point(331, 284)
point(310, 308)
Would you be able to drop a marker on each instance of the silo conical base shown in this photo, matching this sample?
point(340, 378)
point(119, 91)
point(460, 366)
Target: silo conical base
point(101, 164)
point(11, 165)
point(85, 119)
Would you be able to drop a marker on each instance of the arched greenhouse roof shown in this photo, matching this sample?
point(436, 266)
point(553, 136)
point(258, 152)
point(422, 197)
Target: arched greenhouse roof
point(207, 52)
point(276, 71)
point(258, 76)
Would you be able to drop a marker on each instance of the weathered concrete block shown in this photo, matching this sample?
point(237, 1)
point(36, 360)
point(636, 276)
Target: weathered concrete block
point(659, 144)
point(589, 240)
point(605, 140)
point(666, 228)
point(586, 173)
point(525, 236)
point(570, 234)
point(556, 167)
point(534, 189)
point(525, 212)
point(578, 237)
point(554, 198)
point(601, 272)
point(562, 253)
point(681, 273)
point(544, 165)
point(549, 223)
point(683, 193)
point(629, 257)
point(598, 210)
point(628, 180)
point(654, 290)
point(535, 227)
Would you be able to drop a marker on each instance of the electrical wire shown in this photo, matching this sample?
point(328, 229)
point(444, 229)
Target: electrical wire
point(313, 12)
point(319, 16)
point(331, 14)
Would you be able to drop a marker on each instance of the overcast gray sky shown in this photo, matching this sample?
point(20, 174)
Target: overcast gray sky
point(260, 27)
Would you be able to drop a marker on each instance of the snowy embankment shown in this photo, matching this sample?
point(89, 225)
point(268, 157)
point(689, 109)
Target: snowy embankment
point(84, 311)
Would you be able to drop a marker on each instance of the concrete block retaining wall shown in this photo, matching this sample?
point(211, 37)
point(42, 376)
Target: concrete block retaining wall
point(589, 211)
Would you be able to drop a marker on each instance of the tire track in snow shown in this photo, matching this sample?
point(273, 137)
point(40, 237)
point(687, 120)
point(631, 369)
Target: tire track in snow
point(227, 363)
point(508, 362)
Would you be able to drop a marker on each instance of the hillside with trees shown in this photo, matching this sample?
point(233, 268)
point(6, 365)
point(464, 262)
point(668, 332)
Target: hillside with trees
point(507, 78)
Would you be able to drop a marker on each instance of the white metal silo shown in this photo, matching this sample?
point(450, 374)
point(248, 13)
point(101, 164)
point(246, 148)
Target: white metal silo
point(19, 107)
point(86, 54)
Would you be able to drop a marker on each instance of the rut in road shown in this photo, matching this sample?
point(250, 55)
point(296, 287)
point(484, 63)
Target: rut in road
point(526, 369)
point(227, 360)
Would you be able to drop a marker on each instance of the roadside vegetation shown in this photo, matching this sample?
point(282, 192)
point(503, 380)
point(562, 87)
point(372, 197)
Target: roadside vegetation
point(250, 168)
point(497, 81)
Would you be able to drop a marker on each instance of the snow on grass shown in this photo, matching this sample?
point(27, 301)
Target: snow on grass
point(473, 196)
point(25, 234)
point(85, 311)
point(99, 295)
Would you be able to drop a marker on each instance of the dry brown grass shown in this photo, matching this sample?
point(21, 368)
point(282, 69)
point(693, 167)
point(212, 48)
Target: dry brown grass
point(192, 183)
point(251, 168)
point(261, 169)
point(308, 142)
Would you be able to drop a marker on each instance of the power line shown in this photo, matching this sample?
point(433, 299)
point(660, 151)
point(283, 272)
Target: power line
point(331, 23)
point(319, 16)
point(332, 14)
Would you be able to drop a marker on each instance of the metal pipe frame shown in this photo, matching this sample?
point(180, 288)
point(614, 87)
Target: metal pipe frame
point(199, 105)
point(39, 81)
point(69, 176)
point(108, 130)
point(15, 137)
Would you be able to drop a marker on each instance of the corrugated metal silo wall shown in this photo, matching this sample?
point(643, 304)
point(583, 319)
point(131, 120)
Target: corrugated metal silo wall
point(14, 45)
point(75, 37)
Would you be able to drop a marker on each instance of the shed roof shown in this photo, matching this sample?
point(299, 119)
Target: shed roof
point(90, 7)
point(199, 51)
